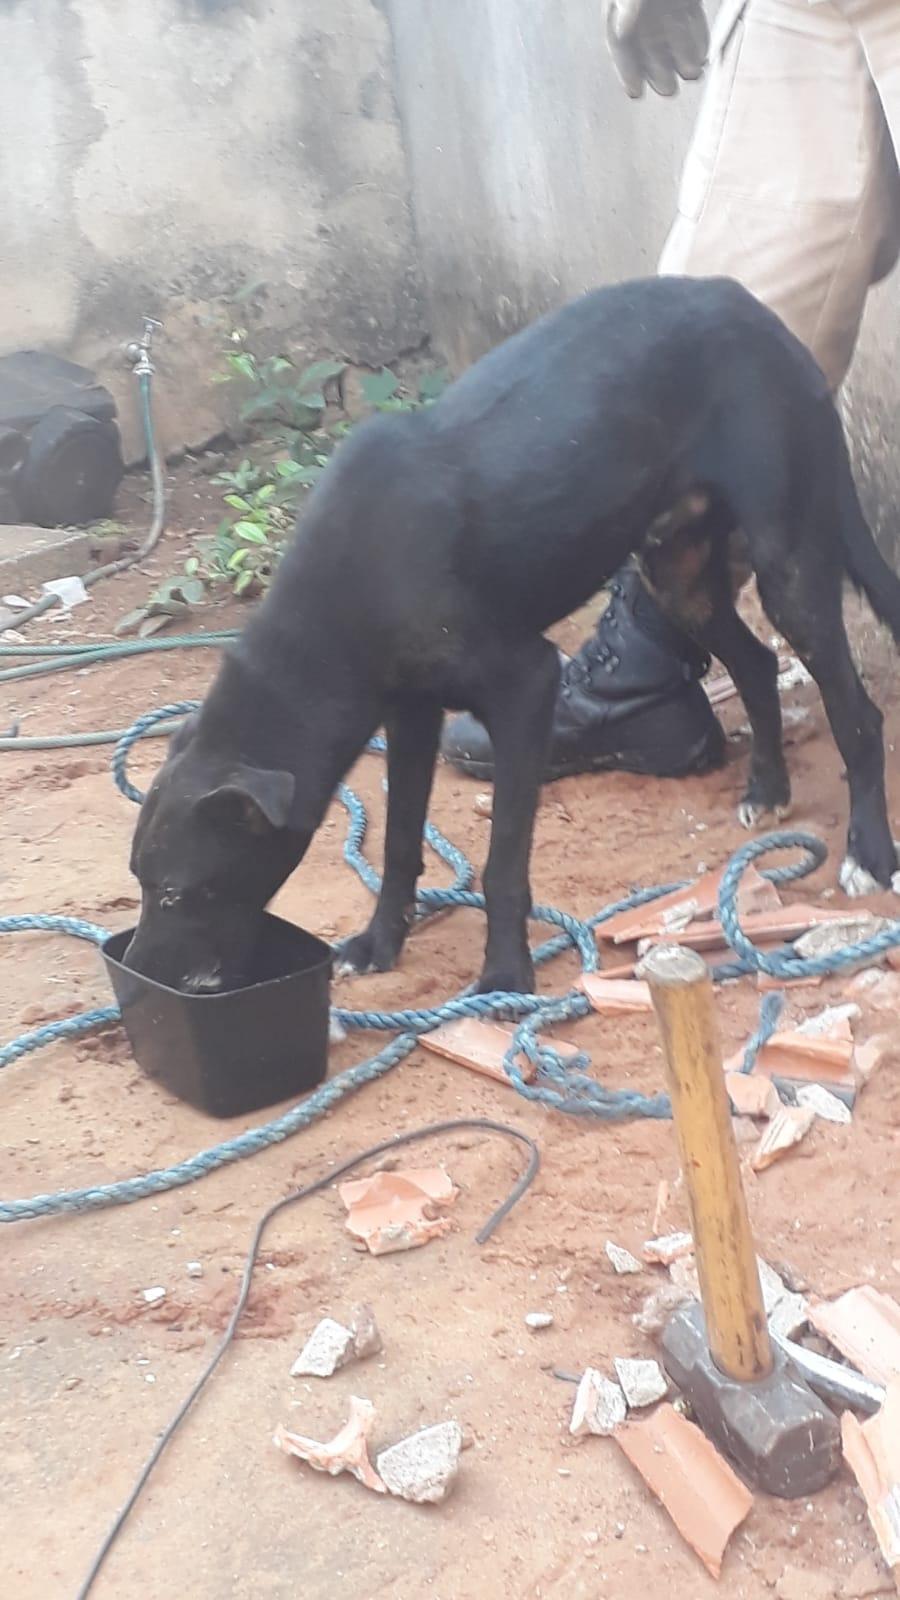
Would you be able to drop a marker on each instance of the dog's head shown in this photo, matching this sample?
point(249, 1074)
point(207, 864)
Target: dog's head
point(212, 844)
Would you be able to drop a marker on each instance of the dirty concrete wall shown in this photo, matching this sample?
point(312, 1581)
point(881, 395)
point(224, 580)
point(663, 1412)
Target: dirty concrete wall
point(535, 178)
point(211, 163)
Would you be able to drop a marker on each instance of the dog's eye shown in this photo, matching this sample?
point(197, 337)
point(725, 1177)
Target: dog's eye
point(168, 899)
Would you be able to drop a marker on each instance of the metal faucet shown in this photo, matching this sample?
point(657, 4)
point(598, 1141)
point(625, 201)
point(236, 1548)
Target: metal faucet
point(138, 351)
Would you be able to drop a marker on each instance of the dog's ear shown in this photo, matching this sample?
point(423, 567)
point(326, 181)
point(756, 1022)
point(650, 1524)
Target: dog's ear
point(256, 798)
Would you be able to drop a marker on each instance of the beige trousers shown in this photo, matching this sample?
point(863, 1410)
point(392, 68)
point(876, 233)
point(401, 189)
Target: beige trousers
point(791, 182)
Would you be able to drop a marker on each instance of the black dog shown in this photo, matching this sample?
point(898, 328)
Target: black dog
point(657, 417)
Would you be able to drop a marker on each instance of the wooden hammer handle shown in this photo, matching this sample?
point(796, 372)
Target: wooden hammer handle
point(682, 995)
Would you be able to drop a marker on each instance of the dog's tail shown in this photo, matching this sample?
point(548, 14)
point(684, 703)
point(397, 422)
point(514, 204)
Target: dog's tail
point(864, 563)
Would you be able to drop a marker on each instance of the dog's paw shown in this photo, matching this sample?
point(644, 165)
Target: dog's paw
point(507, 980)
point(365, 952)
point(750, 813)
point(856, 880)
point(337, 1033)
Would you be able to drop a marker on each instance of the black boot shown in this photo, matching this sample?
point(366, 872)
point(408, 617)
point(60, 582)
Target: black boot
point(630, 701)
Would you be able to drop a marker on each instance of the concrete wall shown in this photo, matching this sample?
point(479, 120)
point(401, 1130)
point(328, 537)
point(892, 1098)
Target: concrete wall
point(166, 155)
point(534, 178)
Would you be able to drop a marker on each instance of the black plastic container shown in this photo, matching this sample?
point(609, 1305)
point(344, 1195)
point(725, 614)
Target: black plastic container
point(242, 1049)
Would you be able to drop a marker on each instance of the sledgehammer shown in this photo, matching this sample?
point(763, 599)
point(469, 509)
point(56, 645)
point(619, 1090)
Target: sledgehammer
point(742, 1389)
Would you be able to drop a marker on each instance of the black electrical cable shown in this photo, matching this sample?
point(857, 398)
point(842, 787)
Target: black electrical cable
point(394, 1143)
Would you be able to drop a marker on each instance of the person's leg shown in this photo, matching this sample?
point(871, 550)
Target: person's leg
point(790, 185)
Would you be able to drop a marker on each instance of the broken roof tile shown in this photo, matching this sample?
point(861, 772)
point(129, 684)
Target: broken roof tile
point(348, 1451)
point(391, 1210)
point(872, 1451)
point(704, 1497)
point(787, 1128)
point(864, 1325)
point(482, 1046)
point(613, 996)
point(756, 894)
point(811, 1058)
point(752, 1094)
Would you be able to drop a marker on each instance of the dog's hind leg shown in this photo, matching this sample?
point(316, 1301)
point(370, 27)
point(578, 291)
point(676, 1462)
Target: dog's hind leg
point(804, 600)
point(413, 730)
point(517, 710)
point(754, 670)
point(695, 570)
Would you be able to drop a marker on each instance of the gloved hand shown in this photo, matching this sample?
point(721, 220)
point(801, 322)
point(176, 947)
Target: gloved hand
point(656, 42)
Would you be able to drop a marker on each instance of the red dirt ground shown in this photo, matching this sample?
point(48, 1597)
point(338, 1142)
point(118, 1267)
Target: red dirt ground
point(91, 1373)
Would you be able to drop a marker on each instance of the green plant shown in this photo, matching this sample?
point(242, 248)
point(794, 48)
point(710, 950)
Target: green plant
point(247, 476)
point(382, 390)
point(286, 408)
point(282, 392)
point(245, 549)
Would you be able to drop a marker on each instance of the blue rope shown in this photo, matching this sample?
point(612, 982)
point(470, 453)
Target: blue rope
point(557, 1082)
point(778, 963)
point(769, 1014)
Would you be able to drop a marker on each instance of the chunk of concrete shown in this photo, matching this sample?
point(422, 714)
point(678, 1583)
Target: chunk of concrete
point(643, 1382)
point(658, 1307)
point(599, 1405)
point(329, 1346)
point(31, 555)
point(823, 1103)
point(622, 1260)
point(365, 1330)
point(423, 1467)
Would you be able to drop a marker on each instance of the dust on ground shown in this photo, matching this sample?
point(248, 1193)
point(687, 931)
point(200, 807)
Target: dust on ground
point(91, 1373)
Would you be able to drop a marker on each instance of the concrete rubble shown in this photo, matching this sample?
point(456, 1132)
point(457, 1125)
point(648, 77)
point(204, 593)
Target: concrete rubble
point(658, 1308)
point(331, 1345)
point(423, 1467)
point(622, 1260)
point(833, 935)
point(826, 1105)
point(599, 1405)
point(643, 1382)
point(666, 1249)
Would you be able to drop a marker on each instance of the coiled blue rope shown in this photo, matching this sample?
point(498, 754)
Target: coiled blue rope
point(560, 1084)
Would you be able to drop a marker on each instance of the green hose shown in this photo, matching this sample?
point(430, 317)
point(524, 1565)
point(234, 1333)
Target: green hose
point(78, 656)
point(94, 655)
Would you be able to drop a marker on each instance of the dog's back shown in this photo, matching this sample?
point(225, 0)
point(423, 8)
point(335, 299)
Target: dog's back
point(541, 468)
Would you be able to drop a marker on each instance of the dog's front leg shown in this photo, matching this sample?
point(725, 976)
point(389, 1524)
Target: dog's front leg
point(518, 714)
point(413, 731)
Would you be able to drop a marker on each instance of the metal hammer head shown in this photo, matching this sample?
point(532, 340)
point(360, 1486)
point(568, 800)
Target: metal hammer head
point(780, 1436)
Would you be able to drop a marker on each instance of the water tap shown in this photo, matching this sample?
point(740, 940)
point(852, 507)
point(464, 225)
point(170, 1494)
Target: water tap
point(138, 351)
